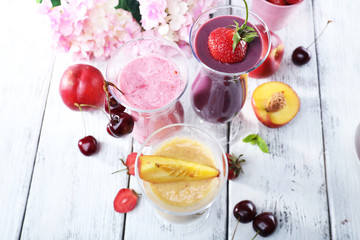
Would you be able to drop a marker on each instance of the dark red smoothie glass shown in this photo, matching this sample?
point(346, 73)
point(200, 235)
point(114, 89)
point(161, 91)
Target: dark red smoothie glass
point(219, 90)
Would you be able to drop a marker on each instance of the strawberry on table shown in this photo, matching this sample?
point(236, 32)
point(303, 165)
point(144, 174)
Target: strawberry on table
point(234, 164)
point(125, 200)
point(229, 45)
point(130, 164)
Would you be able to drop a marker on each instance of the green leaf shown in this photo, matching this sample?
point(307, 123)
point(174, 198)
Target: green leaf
point(249, 28)
point(262, 145)
point(55, 3)
point(250, 137)
point(256, 139)
point(38, 1)
point(248, 39)
point(131, 6)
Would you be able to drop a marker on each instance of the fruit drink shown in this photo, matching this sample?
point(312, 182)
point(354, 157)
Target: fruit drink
point(150, 82)
point(185, 193)
point(276, 13)
point(150, 75)
point(219, 90)
point(181, 169)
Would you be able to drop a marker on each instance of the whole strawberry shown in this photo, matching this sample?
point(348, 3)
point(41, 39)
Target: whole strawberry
point(229, 45)
point(234, 164)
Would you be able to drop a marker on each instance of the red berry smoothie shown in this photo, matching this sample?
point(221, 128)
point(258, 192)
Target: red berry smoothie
point(219, 90)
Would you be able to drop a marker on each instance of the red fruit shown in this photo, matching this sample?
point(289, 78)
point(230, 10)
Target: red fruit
point(115, 106)
point(82, 84)
point(120, 124)
point(290, 2)
point(273, 60)
point(277, 2)
point(125, 200)
point(234, 164)
point(130, 163)
point(88, 145)
point(220, 44)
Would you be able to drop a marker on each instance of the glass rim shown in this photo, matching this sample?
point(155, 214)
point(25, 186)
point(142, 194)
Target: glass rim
point(221, 187)
point(171, 44)
point(267, 30)
point(281, 6)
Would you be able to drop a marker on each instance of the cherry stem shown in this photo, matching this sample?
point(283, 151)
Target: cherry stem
point(319, 34)
point(106, 90)
point(88, 105)
point(237, 224)
point(82, 114)
point(257, 233)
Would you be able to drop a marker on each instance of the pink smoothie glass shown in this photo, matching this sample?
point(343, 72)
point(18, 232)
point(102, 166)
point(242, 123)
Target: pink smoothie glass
point(219, 90)
point(168, 109)
point(275, 16)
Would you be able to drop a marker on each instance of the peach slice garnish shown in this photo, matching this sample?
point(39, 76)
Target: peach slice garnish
point(275, 104)
point(158, 169)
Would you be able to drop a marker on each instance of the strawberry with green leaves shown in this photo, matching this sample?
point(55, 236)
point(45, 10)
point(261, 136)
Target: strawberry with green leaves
point(229, 45)
point(234, 165)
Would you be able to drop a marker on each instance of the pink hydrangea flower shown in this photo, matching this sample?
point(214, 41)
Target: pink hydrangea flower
point(152, 13)
point(90, 29)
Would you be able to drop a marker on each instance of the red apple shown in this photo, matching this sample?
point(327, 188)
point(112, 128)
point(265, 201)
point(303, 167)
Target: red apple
point(82, 84)
point(273, 60)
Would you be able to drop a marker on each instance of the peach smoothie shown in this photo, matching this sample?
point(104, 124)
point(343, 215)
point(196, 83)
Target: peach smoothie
point(185, 193)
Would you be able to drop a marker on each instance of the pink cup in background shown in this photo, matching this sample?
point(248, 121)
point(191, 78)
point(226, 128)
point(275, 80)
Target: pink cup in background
point(275, 16)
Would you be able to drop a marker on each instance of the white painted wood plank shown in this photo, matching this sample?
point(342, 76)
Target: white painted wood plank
point(289, 181)
point(72, 195)
point(26, 63)
point(339, 72)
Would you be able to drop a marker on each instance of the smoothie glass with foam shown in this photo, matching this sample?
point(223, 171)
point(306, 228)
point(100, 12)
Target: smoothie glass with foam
point(275, 16)
point(185, 203)
point(219, 90)
point(152, 73)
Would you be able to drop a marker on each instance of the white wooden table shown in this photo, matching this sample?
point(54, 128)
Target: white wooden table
point(310, 179)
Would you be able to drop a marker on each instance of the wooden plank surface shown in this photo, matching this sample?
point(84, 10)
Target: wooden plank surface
point(290, 180)
point(309, 179)
point(338, 64)
point(25, 65)
point(72, 195)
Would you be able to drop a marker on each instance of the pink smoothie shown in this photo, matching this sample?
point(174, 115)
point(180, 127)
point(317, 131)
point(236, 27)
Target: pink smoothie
point(152, 85)
point(150, 82)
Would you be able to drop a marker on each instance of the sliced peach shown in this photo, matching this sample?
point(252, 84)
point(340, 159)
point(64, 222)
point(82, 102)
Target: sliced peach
point(275, 104)
point(158, 169)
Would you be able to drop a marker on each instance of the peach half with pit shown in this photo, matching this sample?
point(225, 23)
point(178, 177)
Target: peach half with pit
point(275, 104)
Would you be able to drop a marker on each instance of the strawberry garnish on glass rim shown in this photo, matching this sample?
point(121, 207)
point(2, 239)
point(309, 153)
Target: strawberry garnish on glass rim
point(229, 45)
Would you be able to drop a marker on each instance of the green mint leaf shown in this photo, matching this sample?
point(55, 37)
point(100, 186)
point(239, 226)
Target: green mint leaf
point(131, 6)
point(262, 145)
point(249, 138)
point(256, 139)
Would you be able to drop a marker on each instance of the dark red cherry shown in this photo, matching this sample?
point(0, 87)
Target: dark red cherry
point(245, 211)
point(301, 56)
point(88, 145)
point(120, 124)
point(265, 224)
point(115, 106)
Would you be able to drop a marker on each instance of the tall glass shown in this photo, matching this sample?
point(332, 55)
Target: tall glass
point(219, 90)
point(275, 16)
point(183, 215)
point(146, 121)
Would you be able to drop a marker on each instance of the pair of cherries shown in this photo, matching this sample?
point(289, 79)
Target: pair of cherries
point(120, 124)
point(264, 224)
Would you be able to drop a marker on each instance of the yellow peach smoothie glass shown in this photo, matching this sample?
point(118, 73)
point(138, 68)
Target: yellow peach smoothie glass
point(184, 202)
